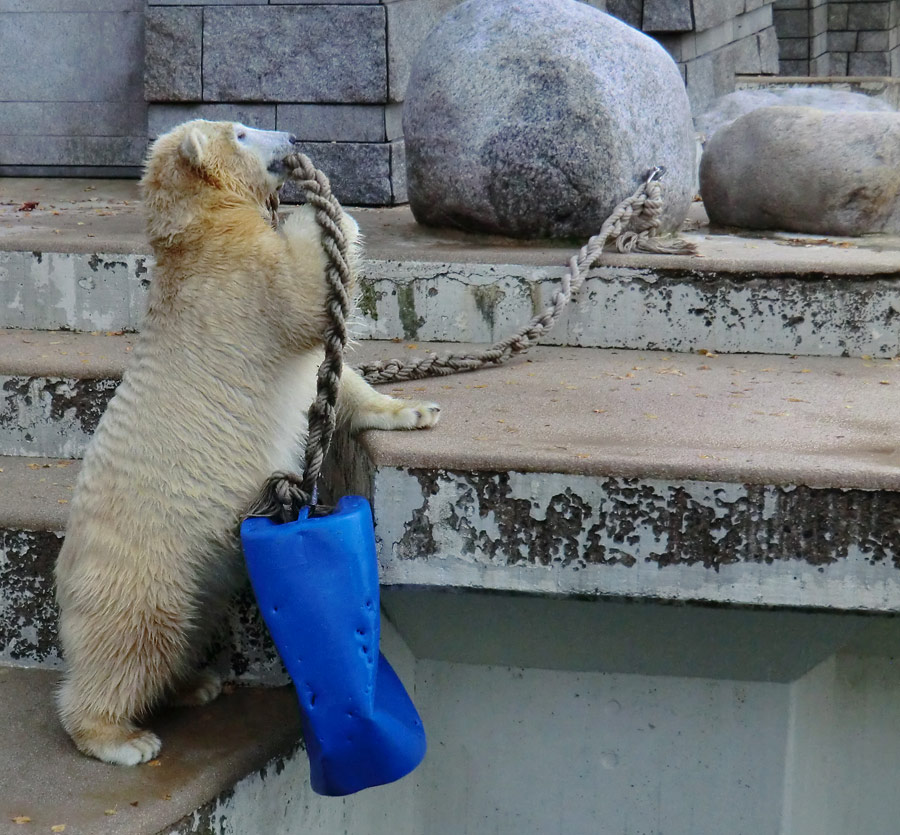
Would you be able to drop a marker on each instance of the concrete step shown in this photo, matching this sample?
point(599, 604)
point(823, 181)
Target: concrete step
point(211, 756)
point(582, 473)
point(79, 261)
point(34, 498)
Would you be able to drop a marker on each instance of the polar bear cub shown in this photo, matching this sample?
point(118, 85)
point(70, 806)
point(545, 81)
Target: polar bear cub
point(214, 400)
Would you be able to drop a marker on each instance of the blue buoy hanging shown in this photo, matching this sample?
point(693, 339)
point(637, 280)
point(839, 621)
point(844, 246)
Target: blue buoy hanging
point(315, 575)
point(316, 582)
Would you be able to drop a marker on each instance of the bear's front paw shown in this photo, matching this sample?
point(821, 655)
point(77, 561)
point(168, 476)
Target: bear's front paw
point(391, 413)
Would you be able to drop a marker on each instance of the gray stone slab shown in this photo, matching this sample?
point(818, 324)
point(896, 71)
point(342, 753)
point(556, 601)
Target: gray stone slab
point(667, 16)
point(398, 171)
point(753, 21)
point(393, 119)
point(873, 41)
point(72, 119)
point(768, 50)
point(39, 50)
point(709, 13)
point(360, 173)
point(838, 16)
point(264, 53)
point(743, 56)
point(794, 49)
point(792, 23)
point(869, 63)
point(863, 16)
point(408, 24)
point(73, 150)
point(70, 6)
point(164, 117)
point(334, 122)
point(794, 68)
point(837, 42)
point(629, 11)
point(172, 69)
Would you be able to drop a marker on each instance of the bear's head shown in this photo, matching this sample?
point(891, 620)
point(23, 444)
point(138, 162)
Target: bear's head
point(199, 165)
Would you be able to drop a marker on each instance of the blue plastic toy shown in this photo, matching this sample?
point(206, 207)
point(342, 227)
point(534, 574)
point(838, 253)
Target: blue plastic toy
point(316, 582)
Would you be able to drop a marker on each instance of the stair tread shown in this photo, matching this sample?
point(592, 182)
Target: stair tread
point(106, 216)
point(205, 751)
point(737, 418)
point(747, 419)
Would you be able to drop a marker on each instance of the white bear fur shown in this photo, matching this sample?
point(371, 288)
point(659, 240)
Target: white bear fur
point(213, 401)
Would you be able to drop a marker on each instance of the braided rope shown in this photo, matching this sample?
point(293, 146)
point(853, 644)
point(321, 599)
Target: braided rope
point(632, 226)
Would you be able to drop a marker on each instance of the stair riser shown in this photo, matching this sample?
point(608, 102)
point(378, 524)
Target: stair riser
point(417, 301)
point(50, 417)
point(73, 291)
point(567, 535)
point(28, 615)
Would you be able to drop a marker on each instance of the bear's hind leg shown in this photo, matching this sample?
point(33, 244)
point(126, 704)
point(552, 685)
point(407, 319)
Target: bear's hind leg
point(119, 742)
point(201, 688)
point(117, 672)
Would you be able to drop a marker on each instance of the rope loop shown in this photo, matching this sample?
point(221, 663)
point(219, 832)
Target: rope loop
point(632, 226)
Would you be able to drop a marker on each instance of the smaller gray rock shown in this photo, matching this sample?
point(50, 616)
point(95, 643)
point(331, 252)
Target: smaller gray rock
point(725, 109)
point(805, 170)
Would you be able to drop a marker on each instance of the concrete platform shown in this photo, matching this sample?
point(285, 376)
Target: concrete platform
point(738, 479)
point(79, 260)
point(812, 421)
point(206, 751)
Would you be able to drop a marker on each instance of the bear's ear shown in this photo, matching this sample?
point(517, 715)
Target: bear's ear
point(194, 146)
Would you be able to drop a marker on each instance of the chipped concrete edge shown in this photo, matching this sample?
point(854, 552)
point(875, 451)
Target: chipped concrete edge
point(814, 313)
point(583, 536)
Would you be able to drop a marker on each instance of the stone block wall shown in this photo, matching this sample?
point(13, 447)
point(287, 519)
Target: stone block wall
point(713, 41)
point(334, 74)
point(71, 93)
point(830, 38)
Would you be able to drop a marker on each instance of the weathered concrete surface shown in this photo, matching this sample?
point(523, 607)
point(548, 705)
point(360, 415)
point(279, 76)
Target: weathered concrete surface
point(783, 294)
point(205, 751)
point(819, 422)
point(639, 539)
point(823, 422)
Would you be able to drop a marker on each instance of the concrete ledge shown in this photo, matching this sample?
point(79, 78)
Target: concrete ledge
point(81, 262)
point(205, 752)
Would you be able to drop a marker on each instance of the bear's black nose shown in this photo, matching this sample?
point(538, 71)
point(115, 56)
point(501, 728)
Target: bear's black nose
point(293, 140)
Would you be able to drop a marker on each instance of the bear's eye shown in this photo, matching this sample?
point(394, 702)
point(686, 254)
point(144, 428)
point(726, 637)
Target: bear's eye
point(242, 135)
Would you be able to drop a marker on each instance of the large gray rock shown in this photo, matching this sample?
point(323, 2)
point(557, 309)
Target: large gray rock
point(534, 118)
point(725, 109)
point(805, 170)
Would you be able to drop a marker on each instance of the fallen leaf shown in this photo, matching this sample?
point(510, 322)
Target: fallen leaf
point(154, 763)
point(28, 206)
point(110, 811)
point(62, 501)
point(795, 400)
point(134, 803)
point(884, 382)
point(167, 796)
point(60, 827)
point(706, 353)
point(21, 819)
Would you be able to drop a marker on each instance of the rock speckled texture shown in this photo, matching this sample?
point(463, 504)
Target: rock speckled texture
point(805, 170)
point(534, 118)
